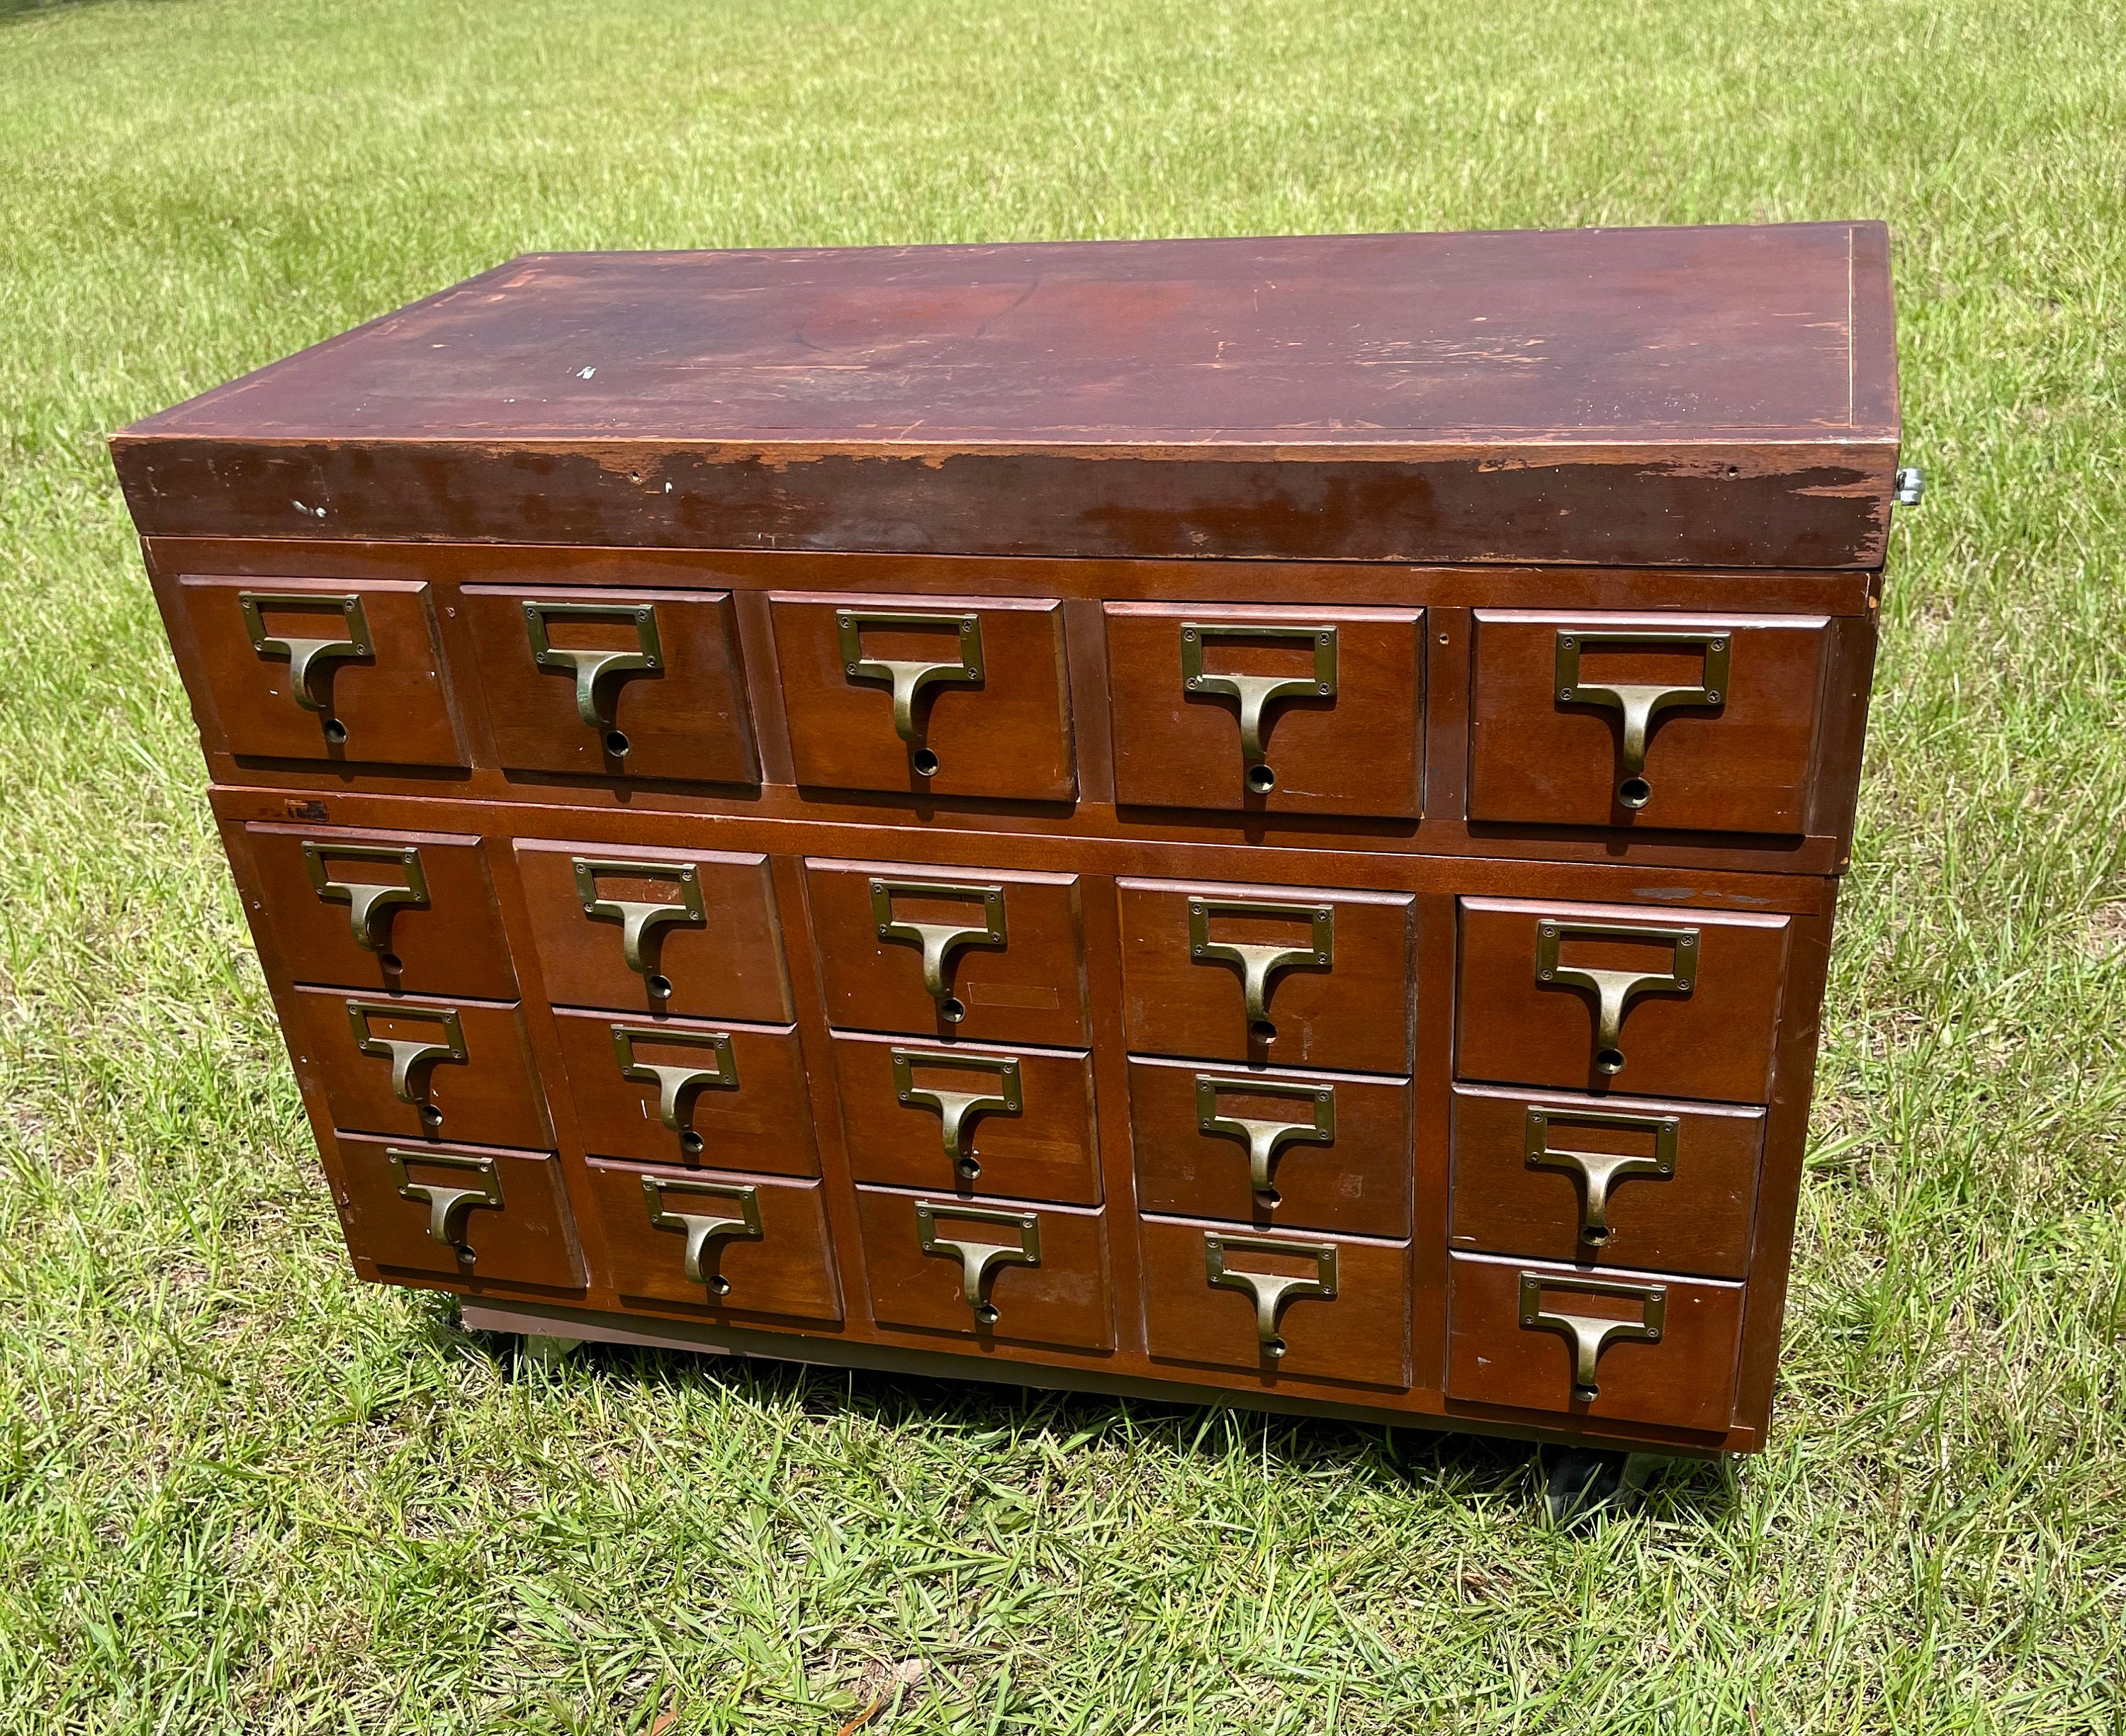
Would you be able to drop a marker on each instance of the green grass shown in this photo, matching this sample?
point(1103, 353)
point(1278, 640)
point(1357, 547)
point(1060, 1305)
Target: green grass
point(238, 1492)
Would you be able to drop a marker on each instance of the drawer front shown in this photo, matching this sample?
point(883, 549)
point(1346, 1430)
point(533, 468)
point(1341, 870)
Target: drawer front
point(609, 684)
point(1544, 1337)
point(995, 1272)
point(692, 933)
point(1276, 709)
point(1297, 1307)
point(978, 1120)
point(475, 1215)
point(1583, 996)
point(417, 1067)
point(950, 951)
point(303, 669)
point(1290, 976)
point(1275, 1148)
point(952, 695)
point(1614, 1181)
point(725, 1243)
point(1694, 723)
point(683, 1091)
point(385, 912)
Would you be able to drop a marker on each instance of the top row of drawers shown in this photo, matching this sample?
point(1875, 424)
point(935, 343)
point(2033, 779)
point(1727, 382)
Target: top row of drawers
point(1698, 722)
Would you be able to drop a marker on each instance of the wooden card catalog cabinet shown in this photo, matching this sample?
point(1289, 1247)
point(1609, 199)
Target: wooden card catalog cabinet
point(939, 812)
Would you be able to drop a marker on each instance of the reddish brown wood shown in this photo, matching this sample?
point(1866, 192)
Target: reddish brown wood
point(785, 1270)
point(452, 943)
point(1696, 1218)
point(1358, 1182)
point(1351, 1013)
point(728, 964)
point(1027, 990)
point(686, 720)
point(1008, 737)
point(1686, 1381)
point(763, 1121)
point(1361, 1334)
point(1715, 1041)
point(1046, 1149)
point(1356, 750)
point(1061, 1299)
point(527, 1241)
point(1746, 765)
point(491, 1097)
point(387, 705)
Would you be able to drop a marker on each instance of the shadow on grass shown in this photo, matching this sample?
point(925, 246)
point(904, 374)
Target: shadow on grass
point(1438, 1462)
point(15, 11)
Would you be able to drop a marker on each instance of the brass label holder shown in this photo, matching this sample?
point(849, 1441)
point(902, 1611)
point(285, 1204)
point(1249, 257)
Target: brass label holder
point(596, 672)
point(909, 678)
point(706, 1233)
point(1270, 1292)
point(1598, 1171)
point(640, 923)
point(1259, 964)
point(1615, 990)
point(1589, 1335)
point(309, 658)
point(957, 1110)
point(979, 1261)
point(411, 1060)
point(1256, 693)
point(677, 1085)
point(1265, 1139)
point(937, 941)
point(370, 902)
point(1639, 705)
point(448, 1207)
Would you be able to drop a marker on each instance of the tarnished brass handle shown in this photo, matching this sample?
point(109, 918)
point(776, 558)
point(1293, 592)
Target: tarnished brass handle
point(1264, 1139)
point(706, 1234)
point(1599, 1172)
point(411, 1061)
point(370, 902)
point(307, 657)
point(1256, 693)
point(592, 669)
point(978, 1260)
point(448, 1207)
point(677, 1086)
point(1270, 1292)
point(1615, 990)
point(957, 1110)
point(1589, 1335)
point(1639, 705)
point(1259, 964)
point(908, 678)
point(937, 941)
point(640, 923)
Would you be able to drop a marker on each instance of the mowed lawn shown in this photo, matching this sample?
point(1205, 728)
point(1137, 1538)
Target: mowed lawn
point(239, 1492)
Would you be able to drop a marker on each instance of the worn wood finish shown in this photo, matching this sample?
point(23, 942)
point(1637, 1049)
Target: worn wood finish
point(761, 1121)
point(684, 718)
point(1685, 1380)
point(1446, 452)
point(1357, 1181)
point(516, 1234)
point(1360, 1334)
point(1354, 750)
point(1743, 764)
point(442, 936)
point(1007, 736)
point(1695, 1218)
point(1043, 1147)
point(725, 964)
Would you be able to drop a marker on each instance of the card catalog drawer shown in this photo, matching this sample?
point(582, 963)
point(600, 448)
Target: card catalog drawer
point(474, 1215)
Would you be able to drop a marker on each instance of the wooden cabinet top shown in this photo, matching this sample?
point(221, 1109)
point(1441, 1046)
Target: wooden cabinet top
point(1720, 396)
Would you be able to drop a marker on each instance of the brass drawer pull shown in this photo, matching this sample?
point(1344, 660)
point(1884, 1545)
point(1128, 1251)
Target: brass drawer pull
point(1615, 990)
point(411, 1060)
point(590, 669)
point(1259, 964)
point(1267, 1290)
point(979, 1260)
point(938, 941)
point(677, 1085)
point(958, 1109)
point(907, 678)
point(448, 1207)
point(640, 924)
point(1589, 1334)
point(1256, 693)
point(307, 658)
point(1264, 1139)
point(1599, 1170)
point(1639, 705)
point(706, 1235)
point(370, 902)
